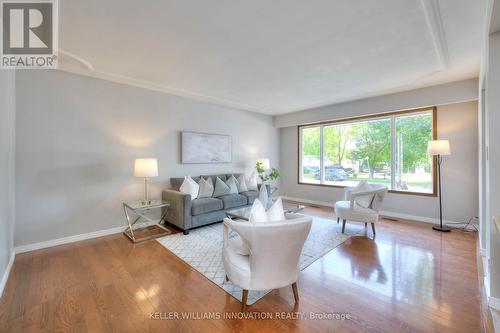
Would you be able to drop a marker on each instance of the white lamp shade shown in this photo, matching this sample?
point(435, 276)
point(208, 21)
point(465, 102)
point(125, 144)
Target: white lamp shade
point(438, 147)
point(265, 163)
point(146, 167)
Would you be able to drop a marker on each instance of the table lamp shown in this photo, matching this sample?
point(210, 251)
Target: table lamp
point(264, 163)
point(439, 148)
point(146, 168)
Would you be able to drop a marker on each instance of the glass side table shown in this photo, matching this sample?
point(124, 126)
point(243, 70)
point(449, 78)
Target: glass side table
point(140, 210)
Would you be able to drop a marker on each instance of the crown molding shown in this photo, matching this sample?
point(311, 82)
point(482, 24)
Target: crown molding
point(86, 64)
point(432, 14)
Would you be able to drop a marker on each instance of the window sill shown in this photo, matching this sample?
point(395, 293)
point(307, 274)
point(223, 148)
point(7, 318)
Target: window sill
point(390, 191)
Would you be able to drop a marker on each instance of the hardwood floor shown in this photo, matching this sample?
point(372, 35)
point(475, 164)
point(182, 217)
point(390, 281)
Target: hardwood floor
point(408, 279)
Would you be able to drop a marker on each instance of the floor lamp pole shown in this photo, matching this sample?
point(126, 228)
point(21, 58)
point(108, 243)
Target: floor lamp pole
point(440, 227)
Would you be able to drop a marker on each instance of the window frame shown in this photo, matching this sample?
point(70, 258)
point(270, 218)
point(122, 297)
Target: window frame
point(390, 115)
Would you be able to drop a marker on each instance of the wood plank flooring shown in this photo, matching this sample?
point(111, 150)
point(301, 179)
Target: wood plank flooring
point(408, 279)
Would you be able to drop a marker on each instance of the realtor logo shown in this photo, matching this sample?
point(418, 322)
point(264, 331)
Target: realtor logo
point(29, 34)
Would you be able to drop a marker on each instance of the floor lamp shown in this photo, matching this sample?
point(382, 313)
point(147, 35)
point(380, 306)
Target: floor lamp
point(439, 148)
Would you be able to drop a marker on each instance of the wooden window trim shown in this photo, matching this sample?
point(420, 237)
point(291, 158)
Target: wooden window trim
point(433, 109)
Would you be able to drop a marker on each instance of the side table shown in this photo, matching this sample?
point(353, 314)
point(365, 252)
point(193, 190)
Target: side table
point(140, 210)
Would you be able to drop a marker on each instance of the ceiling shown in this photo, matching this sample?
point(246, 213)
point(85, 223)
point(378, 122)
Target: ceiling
point(277, 56)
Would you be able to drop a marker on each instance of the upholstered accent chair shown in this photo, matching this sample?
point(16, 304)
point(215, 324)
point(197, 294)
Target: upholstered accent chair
point(350, 210)
point(273, 253)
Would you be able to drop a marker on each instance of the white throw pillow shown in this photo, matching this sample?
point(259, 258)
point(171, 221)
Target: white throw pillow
point(233, 185)
point(263, 197)
point(189, 186)
point(221, 188)
point(364, 200)
point(275, 213)
point(206, 188)
point(242, 184)
point(252, 182)
point(258, 212)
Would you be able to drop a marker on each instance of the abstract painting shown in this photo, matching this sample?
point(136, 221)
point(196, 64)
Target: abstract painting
point(206, 148)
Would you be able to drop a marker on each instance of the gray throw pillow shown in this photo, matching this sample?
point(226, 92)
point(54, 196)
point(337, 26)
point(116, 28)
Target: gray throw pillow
point(233, 185)
point(206, 188)
point(221, 188)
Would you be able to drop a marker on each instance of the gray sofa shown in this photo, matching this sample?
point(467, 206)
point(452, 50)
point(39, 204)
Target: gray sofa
point(188, 214)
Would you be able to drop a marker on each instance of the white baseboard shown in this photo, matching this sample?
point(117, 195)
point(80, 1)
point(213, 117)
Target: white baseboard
point(66, 240)
point(414, 217)
point(307, 201)
point(382, 213)
point(6, 274)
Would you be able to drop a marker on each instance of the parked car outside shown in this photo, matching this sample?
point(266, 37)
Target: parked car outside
point(333, 173)
point(311, 170)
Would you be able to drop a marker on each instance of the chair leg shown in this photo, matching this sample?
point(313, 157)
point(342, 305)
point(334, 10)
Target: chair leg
point(366, 224)
point(244, 300)
point(295, 292)
point(343, 225)
point(373, 228)
point(338, 220)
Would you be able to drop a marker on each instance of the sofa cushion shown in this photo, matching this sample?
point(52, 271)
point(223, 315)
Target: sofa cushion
point(233, 200)
point(251, 196)
point(205, 205)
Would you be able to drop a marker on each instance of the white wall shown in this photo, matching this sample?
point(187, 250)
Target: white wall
point(456, 122)
point(77, 139)
point(493, 164)
point(454, 92)
point(7, 142)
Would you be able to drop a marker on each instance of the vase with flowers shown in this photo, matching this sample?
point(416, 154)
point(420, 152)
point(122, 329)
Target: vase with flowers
point(266, 175)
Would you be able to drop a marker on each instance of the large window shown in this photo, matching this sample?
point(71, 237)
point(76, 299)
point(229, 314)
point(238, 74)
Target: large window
point(390, 149)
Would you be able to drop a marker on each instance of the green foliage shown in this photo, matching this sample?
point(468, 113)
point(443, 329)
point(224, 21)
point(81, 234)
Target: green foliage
point(373, 143)
point(274, 174)
point(415, 132)
point(259, 167)
point(311, 141)
point(335, 143)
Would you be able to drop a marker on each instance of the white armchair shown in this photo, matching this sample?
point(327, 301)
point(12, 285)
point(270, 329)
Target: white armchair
point(349, 210)
point(274, 250)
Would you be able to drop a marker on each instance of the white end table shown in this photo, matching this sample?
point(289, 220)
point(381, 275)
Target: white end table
point(140, 210)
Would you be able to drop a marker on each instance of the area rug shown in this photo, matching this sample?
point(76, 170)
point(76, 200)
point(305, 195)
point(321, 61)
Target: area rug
point(202, 250)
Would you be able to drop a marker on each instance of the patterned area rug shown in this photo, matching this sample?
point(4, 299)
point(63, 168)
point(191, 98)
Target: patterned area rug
point(202, 250)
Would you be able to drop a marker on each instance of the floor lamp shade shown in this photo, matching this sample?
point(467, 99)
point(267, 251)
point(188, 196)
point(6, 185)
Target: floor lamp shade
point(146, 167)
point(439, 148)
